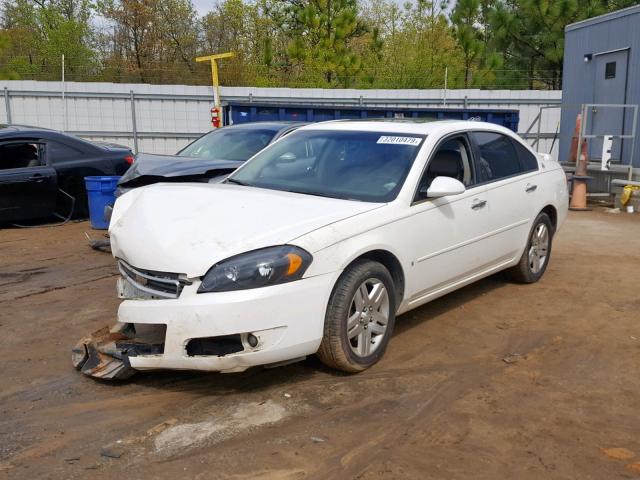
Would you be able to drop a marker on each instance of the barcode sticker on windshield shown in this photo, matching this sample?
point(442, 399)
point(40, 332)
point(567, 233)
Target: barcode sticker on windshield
point(413, 141)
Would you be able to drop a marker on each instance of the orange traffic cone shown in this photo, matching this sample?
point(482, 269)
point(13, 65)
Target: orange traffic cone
point(573, 151)
point(580, 178)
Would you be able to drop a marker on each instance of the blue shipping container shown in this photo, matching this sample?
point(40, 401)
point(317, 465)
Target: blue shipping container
point(263, 112)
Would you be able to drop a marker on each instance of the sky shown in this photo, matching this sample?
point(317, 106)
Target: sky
point(202, 6)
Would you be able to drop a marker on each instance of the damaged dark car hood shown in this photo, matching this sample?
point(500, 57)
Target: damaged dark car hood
point(149, 168)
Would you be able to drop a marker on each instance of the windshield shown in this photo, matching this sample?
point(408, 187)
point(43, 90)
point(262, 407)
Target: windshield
point(229, 144)
point(365, 166)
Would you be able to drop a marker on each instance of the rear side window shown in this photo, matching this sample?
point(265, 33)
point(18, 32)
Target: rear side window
point(527, 159)
point(498, 157)
point(59, 152)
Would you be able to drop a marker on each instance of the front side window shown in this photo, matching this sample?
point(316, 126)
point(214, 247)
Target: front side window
point(229, 144)
point(451, 159)
point(21, 155)
point(355, 165)
point(498, 157)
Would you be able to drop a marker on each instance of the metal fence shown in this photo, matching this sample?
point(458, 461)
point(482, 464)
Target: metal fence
point(164, 118)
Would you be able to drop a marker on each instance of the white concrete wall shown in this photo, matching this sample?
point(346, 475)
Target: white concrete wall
point(167, 124)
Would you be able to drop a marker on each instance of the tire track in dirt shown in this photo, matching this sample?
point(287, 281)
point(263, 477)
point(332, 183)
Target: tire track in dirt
point(424, 407)
point(58, 287)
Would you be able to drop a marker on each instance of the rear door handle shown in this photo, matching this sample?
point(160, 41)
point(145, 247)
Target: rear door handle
point(530, 188)
point(478, 204)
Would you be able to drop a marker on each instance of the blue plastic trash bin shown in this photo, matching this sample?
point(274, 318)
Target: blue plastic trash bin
point(100, 193)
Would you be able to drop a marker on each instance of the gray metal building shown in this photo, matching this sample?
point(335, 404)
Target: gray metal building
point(602, 66)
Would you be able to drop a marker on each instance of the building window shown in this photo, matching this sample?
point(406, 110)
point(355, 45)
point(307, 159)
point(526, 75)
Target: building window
point(610, 70)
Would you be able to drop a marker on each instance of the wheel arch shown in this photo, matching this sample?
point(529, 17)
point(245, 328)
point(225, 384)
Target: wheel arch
point(391, 263)
point(552, 212)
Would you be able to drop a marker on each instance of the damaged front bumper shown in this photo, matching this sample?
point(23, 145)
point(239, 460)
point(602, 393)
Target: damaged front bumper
point(220, 332)
point(105, 354)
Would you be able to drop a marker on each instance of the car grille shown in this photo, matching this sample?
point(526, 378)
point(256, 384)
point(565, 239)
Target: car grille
point(150, 284)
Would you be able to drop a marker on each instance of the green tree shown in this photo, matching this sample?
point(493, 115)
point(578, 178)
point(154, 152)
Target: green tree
point(6, 73)
point(321, 34)
point(466, 18)
point(150, 40)
point(530, 34)
point(41, 31)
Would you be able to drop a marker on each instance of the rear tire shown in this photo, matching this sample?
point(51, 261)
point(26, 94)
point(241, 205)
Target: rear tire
point(360, 317)
point(537, 253)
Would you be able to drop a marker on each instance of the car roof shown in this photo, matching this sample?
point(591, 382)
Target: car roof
point(21, 131)
point(274, 125)
point(8, 129)
point(407, 126)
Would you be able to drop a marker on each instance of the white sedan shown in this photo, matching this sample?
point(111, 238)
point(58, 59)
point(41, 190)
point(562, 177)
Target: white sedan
point(317, 243)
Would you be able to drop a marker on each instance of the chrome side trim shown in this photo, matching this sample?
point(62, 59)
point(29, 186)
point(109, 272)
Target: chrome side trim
point(472, 240)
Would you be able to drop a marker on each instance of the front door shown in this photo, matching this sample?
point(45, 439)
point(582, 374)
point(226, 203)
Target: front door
point(610, 88)
point(28, 187)
point(449, 232)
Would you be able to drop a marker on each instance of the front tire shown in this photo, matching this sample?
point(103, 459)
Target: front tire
point(537, 253)
point(360, 317)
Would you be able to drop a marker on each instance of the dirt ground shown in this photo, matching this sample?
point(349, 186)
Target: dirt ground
point(495, 381)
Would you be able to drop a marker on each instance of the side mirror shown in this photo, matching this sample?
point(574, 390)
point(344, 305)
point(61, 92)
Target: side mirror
point(443, 186)
point(287, 157)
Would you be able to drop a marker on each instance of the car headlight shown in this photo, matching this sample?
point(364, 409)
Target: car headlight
point(259, 268)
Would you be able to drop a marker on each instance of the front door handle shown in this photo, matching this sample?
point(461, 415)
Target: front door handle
point(478, 204)
point(530, 188)
point(36, 178)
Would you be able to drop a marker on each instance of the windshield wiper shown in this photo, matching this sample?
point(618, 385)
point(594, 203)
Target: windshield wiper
point(237, 182)
point(319, 194)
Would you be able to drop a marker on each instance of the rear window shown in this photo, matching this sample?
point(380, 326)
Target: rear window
point(59, 152)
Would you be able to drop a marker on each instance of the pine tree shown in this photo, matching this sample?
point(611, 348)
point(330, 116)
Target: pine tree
point(466, 18)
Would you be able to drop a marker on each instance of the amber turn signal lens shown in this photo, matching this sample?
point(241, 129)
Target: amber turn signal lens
point(295, 262)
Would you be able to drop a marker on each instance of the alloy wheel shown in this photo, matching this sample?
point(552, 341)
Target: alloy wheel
point(538, 248)
point(368, 317)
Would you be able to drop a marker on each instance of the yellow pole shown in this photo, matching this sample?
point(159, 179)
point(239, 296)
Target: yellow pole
point(216, 82)
point(214, 72)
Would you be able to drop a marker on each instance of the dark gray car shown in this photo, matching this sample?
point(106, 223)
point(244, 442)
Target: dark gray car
point(215, 154)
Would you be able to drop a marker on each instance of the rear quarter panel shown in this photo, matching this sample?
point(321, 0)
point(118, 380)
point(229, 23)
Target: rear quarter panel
point(554, 189)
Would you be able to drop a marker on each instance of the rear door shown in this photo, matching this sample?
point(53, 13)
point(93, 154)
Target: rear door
point(510, 173)
point(28, 186)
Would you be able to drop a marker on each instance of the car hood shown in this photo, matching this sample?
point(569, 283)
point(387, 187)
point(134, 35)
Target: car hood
point(187, 228)
point(174, 166)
